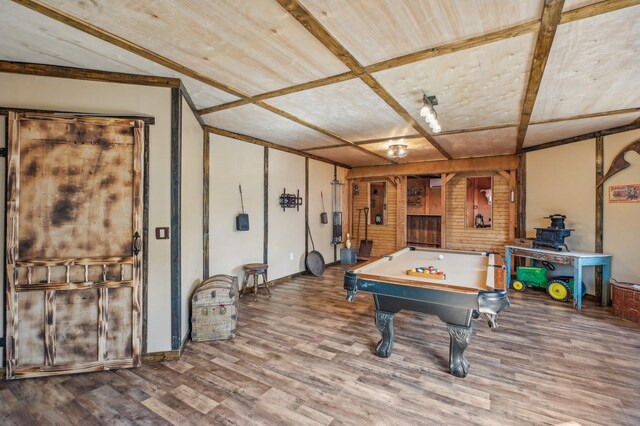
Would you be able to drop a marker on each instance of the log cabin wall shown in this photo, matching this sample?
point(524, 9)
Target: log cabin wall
point(459, 237)
point(422, 198)
point(383, 236)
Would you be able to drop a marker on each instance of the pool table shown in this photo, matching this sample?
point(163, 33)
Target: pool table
point(474, 284)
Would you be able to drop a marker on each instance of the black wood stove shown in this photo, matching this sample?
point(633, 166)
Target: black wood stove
point(553, 236)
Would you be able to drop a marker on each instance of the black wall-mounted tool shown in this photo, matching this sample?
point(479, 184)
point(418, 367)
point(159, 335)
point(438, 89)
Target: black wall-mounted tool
point(242, 220)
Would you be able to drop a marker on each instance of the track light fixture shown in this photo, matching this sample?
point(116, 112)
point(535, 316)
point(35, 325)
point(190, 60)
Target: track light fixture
point(429, 113)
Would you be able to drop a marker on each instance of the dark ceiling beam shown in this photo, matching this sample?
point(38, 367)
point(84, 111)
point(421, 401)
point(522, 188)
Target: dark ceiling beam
point(456, 46)
point(261, 142)
point(592, 115)
point(595, 9)
point(550, 20)
point(312, 25)
point(281, 92)
point(592, 135)
point(85, 74)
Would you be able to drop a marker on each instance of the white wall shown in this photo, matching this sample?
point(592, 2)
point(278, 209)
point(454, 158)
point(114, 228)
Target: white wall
point(286, 228)
point(25, 91)
point(234, 163)
point(622, 220)
point(320, 177)
point(191, 211)
point(562, 180)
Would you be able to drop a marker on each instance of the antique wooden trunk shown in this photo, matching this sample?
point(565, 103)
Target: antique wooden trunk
point(214, 309)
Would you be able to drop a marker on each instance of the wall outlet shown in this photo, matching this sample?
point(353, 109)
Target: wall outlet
point(290, 256)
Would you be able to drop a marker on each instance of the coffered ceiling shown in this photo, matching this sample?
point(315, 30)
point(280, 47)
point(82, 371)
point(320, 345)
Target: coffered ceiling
point(344, 79)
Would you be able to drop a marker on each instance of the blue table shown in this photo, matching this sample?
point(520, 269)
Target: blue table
point(578, 259)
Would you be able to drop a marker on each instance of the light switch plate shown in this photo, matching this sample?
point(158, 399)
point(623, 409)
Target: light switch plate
point(162, 233)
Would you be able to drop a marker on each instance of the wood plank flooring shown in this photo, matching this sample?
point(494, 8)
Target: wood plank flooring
point(305, 356)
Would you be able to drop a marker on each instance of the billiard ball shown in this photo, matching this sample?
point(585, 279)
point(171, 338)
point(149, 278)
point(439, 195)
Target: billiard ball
point(440, 257)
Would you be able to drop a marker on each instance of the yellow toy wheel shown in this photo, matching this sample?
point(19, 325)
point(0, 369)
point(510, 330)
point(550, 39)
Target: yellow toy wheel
point(559, 290)
point(518, 285)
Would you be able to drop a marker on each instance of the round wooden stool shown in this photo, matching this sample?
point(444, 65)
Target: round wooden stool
point(254, 270)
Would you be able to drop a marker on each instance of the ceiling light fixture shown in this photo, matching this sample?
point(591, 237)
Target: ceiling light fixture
point(429, 113)
point(397, 151)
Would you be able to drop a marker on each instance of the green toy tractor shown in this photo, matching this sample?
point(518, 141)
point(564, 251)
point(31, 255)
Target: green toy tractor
point(559, 288)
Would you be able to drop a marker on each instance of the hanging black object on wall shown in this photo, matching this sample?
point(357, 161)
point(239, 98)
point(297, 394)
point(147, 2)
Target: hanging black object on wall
point(323, 215)
point(242, 220)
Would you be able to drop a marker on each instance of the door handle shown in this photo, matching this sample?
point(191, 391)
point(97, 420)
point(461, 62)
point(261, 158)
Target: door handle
point(137, 241)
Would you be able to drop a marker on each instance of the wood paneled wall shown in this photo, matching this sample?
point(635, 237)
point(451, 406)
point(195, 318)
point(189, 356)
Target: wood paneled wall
point(383, 236)
point(429, 197)
point(461, 238)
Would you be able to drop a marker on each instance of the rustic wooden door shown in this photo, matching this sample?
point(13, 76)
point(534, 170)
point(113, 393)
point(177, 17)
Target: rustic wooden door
point(74, 244)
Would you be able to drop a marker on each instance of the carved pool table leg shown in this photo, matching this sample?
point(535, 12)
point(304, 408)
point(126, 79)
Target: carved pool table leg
point(384, 323)
point(460, 339)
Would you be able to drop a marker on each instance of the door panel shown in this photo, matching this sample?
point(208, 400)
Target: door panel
point(74, 270)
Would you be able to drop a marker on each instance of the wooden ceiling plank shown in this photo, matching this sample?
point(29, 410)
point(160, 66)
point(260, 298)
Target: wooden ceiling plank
point(595, 9)
point(515, 31)
point(633, 126)
point(124, 44)
point(85, 74)
point(391, 101)
point(500, 162)
point(550, 20)
point(257, 141)
point(316, 128)
point(314, 27)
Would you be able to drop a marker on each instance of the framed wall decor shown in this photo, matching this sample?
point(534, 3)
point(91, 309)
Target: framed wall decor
point(624, 193)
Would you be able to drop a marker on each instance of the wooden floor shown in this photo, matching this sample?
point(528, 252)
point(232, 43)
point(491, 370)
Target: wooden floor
point(305, 356)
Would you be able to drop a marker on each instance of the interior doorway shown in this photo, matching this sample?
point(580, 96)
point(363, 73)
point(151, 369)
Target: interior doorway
point(424, 211)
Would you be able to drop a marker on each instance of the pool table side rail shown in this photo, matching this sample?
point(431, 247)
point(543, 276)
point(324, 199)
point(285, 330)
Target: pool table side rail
point(414, 283)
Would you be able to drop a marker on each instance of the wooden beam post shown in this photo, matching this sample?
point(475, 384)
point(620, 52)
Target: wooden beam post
point(206, 150)
point(265, 241)
point(306, 205)
point(401, 209)
point(176, 226)
point(521, 196)
point(599, 211)
point(443, 203)
point(512, 206)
